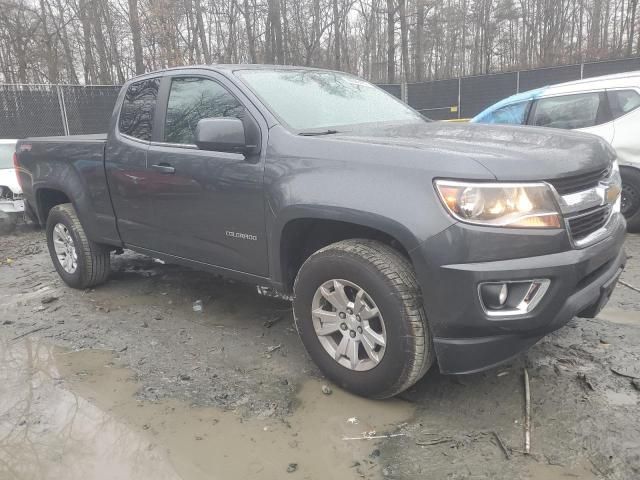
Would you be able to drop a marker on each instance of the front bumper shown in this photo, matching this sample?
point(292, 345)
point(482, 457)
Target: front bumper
point(466, 340)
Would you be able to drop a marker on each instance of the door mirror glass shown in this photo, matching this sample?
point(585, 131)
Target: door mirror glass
point(223, 134)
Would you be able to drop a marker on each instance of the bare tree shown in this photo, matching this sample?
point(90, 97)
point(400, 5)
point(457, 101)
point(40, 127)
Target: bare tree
point(107, 41)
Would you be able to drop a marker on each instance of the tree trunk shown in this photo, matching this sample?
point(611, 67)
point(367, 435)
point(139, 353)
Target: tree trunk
point(96, 17)
point(336, 35)
point(202, 32)
point(418, 51)
point(52, 57)
point(632, 24)
point(594, 34)
point(134, 24)
point(89, 75)
point(404, 40)
point(251, 41)
point(276, 28)
point(391, 46)
point(72, 76)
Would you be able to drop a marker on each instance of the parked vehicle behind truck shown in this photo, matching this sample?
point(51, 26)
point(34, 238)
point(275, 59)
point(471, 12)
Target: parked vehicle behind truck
point(607, 106)
point(402, 241)
point(11, 203)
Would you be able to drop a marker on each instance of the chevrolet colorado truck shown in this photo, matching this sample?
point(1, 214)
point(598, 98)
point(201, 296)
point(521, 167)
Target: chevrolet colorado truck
point(401, 241)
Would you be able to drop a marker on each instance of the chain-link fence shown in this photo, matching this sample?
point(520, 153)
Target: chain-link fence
point(44, 110)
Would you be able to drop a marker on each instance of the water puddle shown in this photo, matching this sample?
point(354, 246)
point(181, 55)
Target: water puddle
point(621, 398)
point(622, 317)
point(541, 471)
point(74, 415)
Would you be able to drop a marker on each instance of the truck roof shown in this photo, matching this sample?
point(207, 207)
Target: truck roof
point(230, 67)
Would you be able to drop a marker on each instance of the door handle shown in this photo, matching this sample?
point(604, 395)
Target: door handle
point(164, 168)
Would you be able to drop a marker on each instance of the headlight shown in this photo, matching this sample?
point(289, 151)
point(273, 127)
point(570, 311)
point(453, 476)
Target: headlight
point(515, 205)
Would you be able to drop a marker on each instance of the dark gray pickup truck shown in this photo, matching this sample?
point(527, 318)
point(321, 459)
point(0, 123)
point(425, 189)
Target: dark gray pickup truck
point(401, 241)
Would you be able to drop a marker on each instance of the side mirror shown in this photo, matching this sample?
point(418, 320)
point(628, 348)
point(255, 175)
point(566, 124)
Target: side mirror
point(224, 134)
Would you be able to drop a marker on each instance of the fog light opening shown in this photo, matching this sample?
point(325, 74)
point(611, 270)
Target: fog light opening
point(494, 295)
point(512, 297)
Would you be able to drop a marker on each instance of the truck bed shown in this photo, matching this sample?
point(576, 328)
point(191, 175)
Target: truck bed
point(74, 166)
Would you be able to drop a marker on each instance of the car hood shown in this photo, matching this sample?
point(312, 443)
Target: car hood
point(509, 152)
point(9, 179)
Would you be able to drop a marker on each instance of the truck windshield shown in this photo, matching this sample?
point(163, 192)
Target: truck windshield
point(6, 155)
point(312, 100)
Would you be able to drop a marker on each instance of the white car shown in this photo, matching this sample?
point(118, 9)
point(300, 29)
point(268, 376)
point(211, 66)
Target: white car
point(11, 202)
point(605, 106)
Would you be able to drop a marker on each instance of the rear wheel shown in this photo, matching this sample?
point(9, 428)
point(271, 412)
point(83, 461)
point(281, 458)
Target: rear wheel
point(358, 311)
point(630, 202)
point(80, 262)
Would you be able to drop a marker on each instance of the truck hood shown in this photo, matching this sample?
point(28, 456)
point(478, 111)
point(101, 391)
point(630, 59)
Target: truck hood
point(508, 152)
point(9, 179)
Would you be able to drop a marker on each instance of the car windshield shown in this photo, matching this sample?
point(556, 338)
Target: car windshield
point(6, 155)
point(312, 100)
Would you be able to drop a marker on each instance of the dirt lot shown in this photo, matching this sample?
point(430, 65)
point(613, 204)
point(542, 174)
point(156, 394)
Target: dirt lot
point(128, 381)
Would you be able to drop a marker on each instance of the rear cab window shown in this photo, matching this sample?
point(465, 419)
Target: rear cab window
point(138, 108)
point(623, 101)
point(579, 110)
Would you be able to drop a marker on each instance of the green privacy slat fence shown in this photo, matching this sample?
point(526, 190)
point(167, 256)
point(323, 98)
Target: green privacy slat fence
point(39, 110)
point(42, 110)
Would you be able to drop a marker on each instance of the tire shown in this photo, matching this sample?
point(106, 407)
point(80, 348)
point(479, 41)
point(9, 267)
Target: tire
point(631, 197)
point(92, 259)
point(8, 222)
point(390, 284)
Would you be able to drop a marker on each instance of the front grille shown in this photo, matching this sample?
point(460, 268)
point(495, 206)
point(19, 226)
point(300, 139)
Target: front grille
point(578, 183)
point(589, 222)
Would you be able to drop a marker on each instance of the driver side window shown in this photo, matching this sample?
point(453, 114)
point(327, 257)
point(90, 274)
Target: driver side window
point(190, 100)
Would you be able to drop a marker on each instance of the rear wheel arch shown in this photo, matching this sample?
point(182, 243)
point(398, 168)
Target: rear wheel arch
point(47, 198)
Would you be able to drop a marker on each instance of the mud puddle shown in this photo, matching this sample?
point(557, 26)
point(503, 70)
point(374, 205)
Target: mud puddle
point(542, 471)
point(74, 415)
point(621, 317)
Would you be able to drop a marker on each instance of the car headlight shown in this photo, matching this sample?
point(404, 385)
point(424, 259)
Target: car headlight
point(514, 205)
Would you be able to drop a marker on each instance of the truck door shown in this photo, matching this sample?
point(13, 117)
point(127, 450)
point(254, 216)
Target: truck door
point(126, 161)
point(208, 206)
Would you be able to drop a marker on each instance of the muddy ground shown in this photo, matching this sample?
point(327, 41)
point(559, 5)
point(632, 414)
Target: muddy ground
point(128, 381)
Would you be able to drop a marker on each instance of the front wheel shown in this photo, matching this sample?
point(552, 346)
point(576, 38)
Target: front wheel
point(80, 262)
point(359, 312)
point(630, 201)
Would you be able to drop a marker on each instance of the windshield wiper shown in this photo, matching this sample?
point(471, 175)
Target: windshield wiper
point(318, 132)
